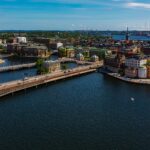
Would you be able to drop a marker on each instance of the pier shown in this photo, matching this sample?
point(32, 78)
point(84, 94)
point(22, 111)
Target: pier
point(15, 86)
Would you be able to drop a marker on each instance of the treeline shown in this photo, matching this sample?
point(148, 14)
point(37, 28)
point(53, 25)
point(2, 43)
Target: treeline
point(53, 34)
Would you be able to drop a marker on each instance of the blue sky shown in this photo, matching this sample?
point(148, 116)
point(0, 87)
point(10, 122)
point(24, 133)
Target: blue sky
point(74, 14)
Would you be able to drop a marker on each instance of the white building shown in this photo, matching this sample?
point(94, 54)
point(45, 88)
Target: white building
point(21, 40)
point(94, 58)
point(80, 57)
point(59, 45)
point(135, 62)
point(1, 41)
point(142, 72)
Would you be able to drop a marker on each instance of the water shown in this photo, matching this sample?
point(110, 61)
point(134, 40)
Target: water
point(122, 37)
point(89, 112)
point(13, 61)
point(16, 75)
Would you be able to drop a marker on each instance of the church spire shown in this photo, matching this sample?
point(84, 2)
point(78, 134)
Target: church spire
point(127, 34)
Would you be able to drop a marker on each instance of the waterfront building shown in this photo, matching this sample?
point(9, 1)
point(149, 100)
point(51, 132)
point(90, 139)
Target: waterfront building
point(135, 62)
point(28, 50)
point(52, 66)
point(142, 72)
point(114, 62)
point(131, 72)
point(33, 50)
point(80, 57)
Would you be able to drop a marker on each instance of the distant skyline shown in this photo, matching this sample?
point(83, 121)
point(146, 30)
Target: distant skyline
point(74, 14)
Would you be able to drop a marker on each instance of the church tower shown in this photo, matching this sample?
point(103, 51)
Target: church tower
point(127, 34)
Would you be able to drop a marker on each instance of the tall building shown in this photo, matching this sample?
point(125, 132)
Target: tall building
point(127, 34)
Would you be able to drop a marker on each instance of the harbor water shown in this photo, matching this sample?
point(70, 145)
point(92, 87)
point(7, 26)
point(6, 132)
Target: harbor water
point(87, 112)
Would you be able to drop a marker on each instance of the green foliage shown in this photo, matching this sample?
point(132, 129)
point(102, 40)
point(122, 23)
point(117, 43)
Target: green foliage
point(40, 68)
point(1, 46)
point(102, 54)
point(86, 54)
point(39, 63)
point(64, 66)
point(62, 52)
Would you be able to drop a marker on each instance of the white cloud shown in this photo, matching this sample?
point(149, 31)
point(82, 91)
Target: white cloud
point(139, 5)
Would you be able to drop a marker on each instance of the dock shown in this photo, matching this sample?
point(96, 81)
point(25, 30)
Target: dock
point(19, 85)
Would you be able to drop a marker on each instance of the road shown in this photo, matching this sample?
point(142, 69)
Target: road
point(14, 86)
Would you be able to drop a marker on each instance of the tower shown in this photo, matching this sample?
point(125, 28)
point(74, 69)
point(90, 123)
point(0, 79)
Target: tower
point(127, 34)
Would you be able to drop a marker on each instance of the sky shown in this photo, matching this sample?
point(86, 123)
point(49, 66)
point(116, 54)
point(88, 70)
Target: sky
point(74, 14)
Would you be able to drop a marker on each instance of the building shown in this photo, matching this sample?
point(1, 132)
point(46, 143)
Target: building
point(67, 51)
point(1, 41)
point(28, 50)
point(1, 61)
point(39, 51)
point(52, 66)
point(80, 57)
point(114, 62)
point(142, 72)
point(148, 72)
point(59, 44)
point(21, 40)
point(135, 62)
point(94, 58)
point(146, 50)
point(131, 72)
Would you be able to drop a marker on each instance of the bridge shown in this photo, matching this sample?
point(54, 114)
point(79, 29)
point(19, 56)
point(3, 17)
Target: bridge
point(31, 65)
point(15, 86)
point(17, 67)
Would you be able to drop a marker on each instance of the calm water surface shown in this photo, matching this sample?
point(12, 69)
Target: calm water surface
point(122, 37)
point(85, 113)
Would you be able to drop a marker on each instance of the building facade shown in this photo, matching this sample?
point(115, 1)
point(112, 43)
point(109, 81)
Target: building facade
point(52, 66)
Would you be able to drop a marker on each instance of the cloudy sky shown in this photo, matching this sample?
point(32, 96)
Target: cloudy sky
point(74, 14)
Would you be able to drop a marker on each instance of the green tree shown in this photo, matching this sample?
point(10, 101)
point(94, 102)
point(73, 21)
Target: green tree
point(64, 66)
point(40, 67)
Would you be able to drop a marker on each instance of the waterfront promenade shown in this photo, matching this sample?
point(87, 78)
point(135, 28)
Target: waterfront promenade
point(126, 79)
point(15, 86)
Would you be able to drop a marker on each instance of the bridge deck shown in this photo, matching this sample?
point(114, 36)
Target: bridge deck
point(15, 86)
